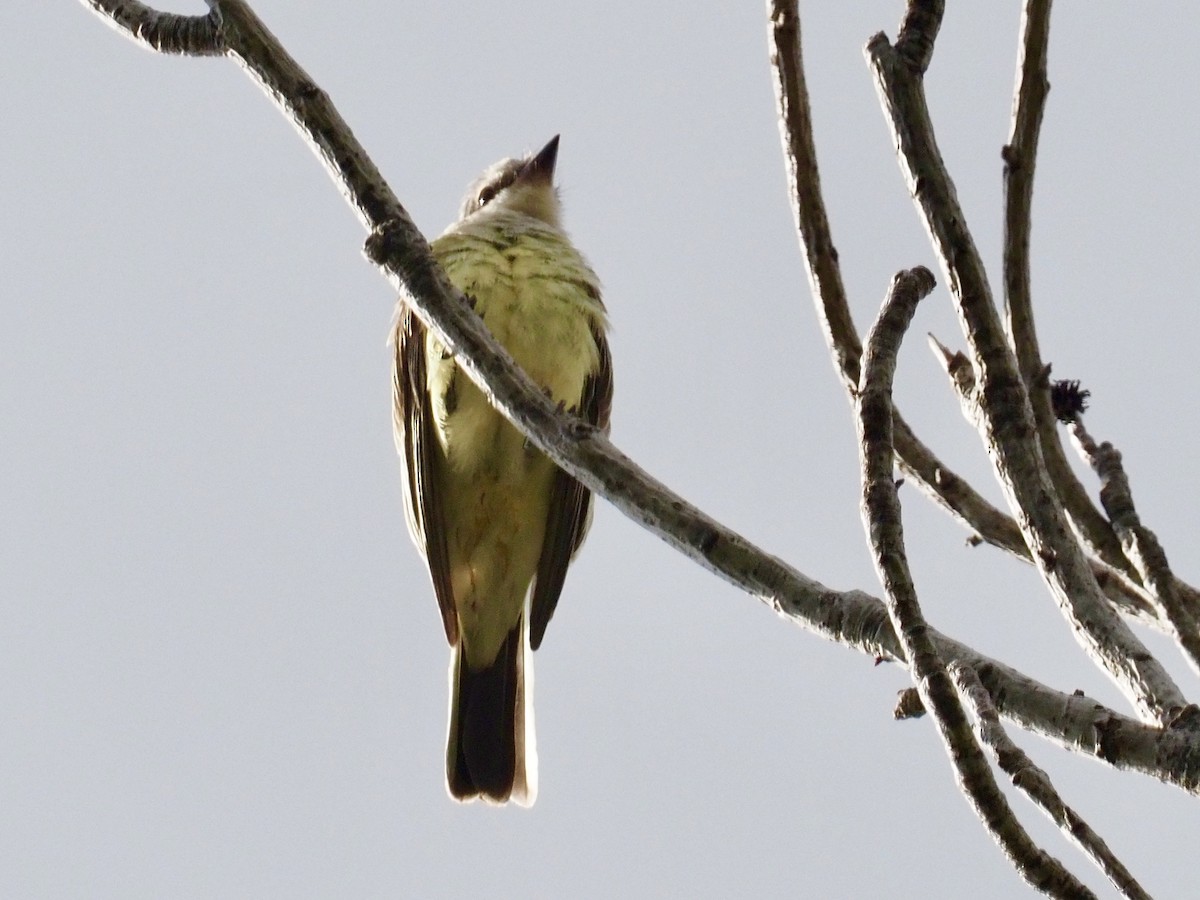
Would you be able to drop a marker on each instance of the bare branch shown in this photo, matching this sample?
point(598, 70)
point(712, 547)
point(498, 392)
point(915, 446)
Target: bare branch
point(885, 532)
point(1139, 542)
point(1077, 721)
point(1020, 158)
point(919, 463)
point(953, 493)
point(163, 32)
point(1007, 420)
point(1036, 784)
point(1127, 595)
point(804, 180)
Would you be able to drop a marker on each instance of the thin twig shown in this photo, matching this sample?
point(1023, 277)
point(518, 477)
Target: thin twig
point(1127, 595)
point(1139, 542)
point(1006, 417)
point(1036, 785)
point(885, 532)
point(1020, 160)
point(804, 181)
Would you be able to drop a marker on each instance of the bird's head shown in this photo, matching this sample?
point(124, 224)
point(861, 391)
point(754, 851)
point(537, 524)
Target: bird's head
point(523, 185)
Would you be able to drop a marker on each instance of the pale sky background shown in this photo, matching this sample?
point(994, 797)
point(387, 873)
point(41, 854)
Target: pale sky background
point(222, 672)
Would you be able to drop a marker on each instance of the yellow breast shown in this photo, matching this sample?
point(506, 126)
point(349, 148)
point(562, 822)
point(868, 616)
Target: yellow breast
point(539, 298)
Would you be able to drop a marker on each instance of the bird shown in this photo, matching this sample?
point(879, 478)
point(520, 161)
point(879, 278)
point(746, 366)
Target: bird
point(496, 521)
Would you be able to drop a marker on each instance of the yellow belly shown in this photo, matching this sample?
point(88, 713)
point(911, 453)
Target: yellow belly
point(496, 487)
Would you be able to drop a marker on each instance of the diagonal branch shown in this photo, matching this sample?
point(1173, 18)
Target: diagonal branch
point(1006, 418)
point(885, 532)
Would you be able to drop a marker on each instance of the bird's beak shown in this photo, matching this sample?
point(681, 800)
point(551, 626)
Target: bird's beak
point(540, 168)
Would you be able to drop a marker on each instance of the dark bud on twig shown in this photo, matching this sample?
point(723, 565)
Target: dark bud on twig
point(1069, 400)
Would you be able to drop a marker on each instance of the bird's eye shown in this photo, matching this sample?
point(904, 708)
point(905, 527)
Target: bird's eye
point(486, 195)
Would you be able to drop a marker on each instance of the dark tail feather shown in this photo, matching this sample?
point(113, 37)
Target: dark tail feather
point(486, 752)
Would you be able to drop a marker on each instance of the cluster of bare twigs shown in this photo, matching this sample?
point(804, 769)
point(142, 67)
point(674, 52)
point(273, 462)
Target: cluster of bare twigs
point(1095, 564)
point(1098, 564)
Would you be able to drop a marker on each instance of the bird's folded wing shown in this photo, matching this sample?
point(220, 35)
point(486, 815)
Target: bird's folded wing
point(414, 426)
point(570, 502)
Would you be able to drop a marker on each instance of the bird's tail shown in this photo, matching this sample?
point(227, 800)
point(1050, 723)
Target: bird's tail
point(490, 749)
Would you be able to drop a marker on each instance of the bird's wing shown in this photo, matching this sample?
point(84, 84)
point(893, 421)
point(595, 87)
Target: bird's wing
point(570, 502)
point(415, 438)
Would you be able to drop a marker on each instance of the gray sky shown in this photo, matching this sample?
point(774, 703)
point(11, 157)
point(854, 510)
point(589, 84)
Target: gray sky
point(221, 667)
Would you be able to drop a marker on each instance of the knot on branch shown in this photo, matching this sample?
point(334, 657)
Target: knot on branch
point(908, 705)
point(397, 246)
point(387, 243)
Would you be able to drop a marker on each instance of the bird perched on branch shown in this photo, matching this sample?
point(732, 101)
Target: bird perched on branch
point(495, 519)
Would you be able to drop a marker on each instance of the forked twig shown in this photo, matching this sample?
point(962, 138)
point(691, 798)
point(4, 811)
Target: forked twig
point(885, 532)
point(1036, 785)
point(1005, 417)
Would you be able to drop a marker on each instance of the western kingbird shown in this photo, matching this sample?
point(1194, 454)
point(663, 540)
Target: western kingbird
point(495, 519)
